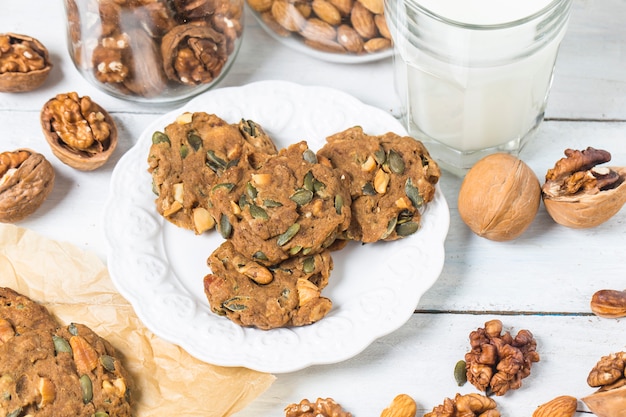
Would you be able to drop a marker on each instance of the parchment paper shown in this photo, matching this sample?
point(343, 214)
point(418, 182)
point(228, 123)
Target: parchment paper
point(75, 286)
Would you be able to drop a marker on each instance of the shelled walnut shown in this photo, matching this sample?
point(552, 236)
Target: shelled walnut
point(26, 179)
point(322, 407)
point(337, 26)
point(24, 63)
point(468, 405)
point(80, 132)
point(609, 376)
point(579, 193)
point(497, 362)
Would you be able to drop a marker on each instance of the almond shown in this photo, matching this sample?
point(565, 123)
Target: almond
point(318, 30)
point(288, 16)
point(401, 406)
point(260, 5)
point(270, 22)
point(377, 44)
point(363, 21)
point(349, 39)
point(325, 46)
point(327, 12)
point(563, 406)
point(344, 6)
point(381, 24)
point(374, 6)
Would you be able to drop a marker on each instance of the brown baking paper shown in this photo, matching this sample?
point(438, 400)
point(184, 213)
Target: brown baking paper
point(75, 286)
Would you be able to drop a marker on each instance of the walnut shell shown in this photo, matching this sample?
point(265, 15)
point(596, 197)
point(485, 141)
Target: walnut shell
point(499, 197)
point(585, 209)
point(68, 121)
point(611, 403)
point(24, 186)
point(24, 63)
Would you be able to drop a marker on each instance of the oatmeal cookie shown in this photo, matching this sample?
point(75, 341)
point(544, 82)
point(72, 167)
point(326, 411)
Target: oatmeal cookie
point(289, 206)
point(189, 157)
point(19, 314)
point(392, 179)
point(251, 294)
point(72, 372)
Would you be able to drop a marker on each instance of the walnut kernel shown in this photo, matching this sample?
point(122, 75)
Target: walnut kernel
point(608, 375)
point(24, 63)
point(322, 407)
point(469, 405)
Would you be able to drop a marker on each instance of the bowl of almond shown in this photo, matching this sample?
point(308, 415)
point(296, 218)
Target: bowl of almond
point(344, 31)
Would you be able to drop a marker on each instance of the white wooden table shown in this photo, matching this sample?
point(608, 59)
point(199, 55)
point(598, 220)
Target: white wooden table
point(542, 281)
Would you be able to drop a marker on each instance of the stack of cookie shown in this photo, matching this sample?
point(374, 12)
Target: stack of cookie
point(283, 212)
point(47, 369)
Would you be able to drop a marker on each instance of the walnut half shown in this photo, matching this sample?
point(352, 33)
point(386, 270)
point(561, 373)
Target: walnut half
point(24, 63)
point(609, 377)
point(26, 179)
point(80, 132)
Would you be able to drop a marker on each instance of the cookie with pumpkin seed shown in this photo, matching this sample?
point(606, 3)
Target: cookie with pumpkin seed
point(250, 294)
point(291, 205)
point(19, 314)
point(189, 156)
point(64, 371)
point(391, 178)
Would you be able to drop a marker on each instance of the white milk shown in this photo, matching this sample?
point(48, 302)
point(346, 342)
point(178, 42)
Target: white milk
point(471, 89)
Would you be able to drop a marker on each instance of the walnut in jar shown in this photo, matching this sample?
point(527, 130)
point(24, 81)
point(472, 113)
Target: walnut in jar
point(80, 132)
point(26, 179)
point(24, 63)
point(497, 361)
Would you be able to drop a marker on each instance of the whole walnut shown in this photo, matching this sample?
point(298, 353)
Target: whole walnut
point(26, 179)
point(497, 362)
point(499, 197)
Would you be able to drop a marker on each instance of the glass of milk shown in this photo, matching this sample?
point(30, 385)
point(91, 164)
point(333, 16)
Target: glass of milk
point(473, 76)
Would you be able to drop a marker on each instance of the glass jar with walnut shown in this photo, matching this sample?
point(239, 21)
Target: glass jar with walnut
point(154, 50)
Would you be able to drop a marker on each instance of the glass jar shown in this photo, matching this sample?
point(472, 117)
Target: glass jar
point(473, 76)
point(154, 51)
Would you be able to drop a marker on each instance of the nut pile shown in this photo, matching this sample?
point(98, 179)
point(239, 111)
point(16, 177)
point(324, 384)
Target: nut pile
point(609, 376)
point(337, 26)
point(149, 47)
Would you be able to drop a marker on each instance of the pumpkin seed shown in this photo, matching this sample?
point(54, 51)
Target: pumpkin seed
point(306, 251)
point(108, 362)
point(396, 163)
point(61, 345)
point(309, 156)
point(160, 137)
point(272, 203)
point(405, 216)
point(380, 156)
point(288, 235)
point(16, 412)
point(302, 196)
point(391, 226)
point(232, 163)
point(72, 329)
point(368, 189)
point(243, 201)
point(227, 185)
point(338, 203)
point(87, 388)
point(294, 250)
point(235, 304)
point(194, 140)
point(100, 414)
point(251, 190)
point(308, 265)
point(249, 127)
point(460, 374)
point(260, 255)
point(318, 186)
point(413, 193)
point(257, 212)
point(406, 229)
point(215, 162)
point(308, 181)
point(226, 229)
point(184, 151)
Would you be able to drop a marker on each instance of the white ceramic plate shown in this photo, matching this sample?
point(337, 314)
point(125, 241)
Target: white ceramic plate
point(296, 43)
point(159, 268)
